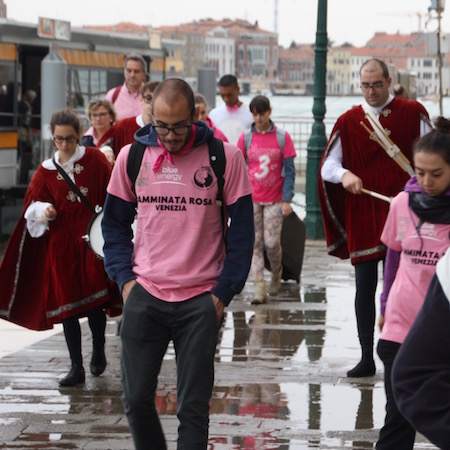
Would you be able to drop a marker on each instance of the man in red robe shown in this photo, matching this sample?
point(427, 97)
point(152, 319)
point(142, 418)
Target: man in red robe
point(352, 160)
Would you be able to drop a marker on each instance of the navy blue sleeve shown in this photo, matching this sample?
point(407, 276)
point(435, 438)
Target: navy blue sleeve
point(239, 250)
point(289, 179)
point(118, 215)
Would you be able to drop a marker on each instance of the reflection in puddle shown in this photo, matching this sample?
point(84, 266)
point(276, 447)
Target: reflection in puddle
point(55, 436)
point(279, 387)
point(9, 421)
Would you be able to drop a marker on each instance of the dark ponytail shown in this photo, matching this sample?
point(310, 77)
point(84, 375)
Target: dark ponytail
point(436, 141)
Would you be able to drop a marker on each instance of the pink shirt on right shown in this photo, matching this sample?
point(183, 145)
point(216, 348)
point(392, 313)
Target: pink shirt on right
point(419, 255)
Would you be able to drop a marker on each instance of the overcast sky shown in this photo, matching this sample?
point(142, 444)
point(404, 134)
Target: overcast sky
point(353, 21)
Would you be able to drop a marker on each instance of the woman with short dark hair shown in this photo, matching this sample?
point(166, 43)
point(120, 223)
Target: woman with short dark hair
point(48, 273)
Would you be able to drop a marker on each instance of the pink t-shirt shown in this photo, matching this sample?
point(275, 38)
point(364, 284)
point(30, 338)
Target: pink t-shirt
point(265, 165)
point(127, 104)
point(179, 250)
point(419, 255)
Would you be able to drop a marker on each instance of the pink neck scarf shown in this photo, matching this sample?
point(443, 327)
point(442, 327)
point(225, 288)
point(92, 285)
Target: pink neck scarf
point(168, 155)
point(233, 108)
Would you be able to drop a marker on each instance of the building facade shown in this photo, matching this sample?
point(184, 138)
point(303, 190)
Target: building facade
point(295, 70)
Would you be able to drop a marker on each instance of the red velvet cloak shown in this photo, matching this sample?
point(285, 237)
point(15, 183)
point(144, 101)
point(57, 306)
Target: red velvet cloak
point(353, 223)
point(120, 134)
point(55, 276)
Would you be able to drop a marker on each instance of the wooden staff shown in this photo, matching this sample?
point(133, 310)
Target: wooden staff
point(390, 141)
point(376, 195)
point(388, 146)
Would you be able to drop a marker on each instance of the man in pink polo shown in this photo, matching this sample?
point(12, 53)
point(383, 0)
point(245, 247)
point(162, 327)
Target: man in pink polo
point(181, 273)
point(126, 98)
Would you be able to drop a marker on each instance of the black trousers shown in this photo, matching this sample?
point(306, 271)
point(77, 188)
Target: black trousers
point(148, 325)
point(72, 333)
point(397, 433)
point(366, 278)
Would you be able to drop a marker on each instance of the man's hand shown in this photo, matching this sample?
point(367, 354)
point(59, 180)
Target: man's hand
point(126, 289)
point(352, 183)
point(220, 307)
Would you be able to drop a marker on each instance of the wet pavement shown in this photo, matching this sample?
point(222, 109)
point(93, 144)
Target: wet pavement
point(280, 378)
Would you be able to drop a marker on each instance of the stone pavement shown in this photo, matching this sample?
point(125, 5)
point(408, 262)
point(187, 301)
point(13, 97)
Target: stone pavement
point(280, 378)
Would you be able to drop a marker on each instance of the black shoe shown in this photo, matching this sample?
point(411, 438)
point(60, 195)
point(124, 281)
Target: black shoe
point(75, 376)
point(98, 362)
point(365, 368)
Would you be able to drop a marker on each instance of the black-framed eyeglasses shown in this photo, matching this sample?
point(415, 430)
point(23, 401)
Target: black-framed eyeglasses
point(375, 86)
point(68, 139)
point(179, 130)
point(147, 98)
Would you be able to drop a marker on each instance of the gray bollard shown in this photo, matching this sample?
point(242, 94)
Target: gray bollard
point(207, 84)
point(53, 98)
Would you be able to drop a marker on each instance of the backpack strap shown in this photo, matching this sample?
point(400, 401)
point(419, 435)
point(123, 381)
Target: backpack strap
point(116, 94)
point(247, 141)
point(281, 138)
point(134, 162)
point(217, 161)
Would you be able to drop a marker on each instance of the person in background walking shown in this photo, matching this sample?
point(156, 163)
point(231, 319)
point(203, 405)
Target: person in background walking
point(417, 234)
point(234, 117)
point(354, 160)
point(102, 115)
point(122, 132)
point(272, 174)
point(25, 135)
point(201, 104)
point(401, 92)
point(126, 97)
point(48, 273)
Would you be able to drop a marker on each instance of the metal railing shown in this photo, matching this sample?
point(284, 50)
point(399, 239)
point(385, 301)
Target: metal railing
point(300, 129)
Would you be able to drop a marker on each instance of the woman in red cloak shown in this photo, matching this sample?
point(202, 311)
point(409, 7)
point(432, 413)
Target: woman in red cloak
point(49, 273)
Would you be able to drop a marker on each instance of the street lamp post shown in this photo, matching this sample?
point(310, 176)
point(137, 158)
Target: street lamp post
point(438, 6)
point(318, 139)
point(439, 10)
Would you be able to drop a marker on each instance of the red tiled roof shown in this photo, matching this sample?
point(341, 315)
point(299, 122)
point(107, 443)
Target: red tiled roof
point(202, 26)
point(379, 52)
point(385, 39)
point(122, 27)
point(301, 51)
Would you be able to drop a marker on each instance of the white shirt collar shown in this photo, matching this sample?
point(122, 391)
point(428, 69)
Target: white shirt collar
point(378, 109)
point(68, 166)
